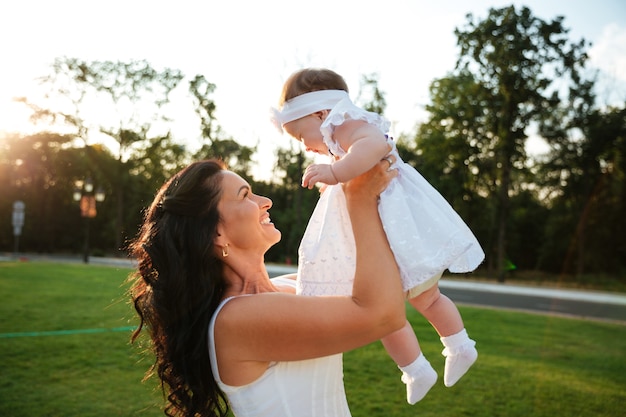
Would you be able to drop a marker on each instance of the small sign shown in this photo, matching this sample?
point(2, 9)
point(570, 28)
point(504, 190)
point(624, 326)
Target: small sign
point(18, 217)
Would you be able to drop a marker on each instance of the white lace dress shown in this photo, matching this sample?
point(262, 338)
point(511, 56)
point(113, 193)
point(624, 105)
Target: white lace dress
point(426, 235)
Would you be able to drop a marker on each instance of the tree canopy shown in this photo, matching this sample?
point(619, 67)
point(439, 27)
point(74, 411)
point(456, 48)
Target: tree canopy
point(516, 76)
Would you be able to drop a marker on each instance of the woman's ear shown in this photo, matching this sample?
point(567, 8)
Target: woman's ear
point(220, 244)
point(219, 238)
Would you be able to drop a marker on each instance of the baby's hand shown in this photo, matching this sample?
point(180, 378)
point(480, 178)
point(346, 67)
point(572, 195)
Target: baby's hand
point(318, 173)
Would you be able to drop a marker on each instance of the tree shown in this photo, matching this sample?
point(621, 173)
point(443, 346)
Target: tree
point(371, 95)
point(453, 151)
point(586, 180)
point(216, 144)
point(111, 102)
point(524, 67)
point(39, 169)
point(293, 204)
point(129, 105)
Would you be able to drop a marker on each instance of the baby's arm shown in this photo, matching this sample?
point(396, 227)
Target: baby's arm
point(366, 145)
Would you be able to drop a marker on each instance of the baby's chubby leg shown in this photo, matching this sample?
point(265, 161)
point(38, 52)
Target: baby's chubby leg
point(439, 310)
point(417, 373)
point(444, 316)
point(402, 345)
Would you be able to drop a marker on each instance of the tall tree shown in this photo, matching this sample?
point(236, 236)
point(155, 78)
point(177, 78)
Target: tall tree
point(526, 67)
point(293, 204)
point(453, 150)
point(370, 94)
point(111, 102)
point(126, 104)
point(39, 170)
point(215, 143)
point(585, 177)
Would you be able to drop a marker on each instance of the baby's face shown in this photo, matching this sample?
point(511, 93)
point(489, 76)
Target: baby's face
point(307, 130)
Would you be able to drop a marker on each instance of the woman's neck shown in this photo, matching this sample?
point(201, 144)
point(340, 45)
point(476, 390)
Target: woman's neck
point(246, 278)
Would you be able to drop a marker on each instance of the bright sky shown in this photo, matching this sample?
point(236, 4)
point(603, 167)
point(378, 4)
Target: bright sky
point(248, 48)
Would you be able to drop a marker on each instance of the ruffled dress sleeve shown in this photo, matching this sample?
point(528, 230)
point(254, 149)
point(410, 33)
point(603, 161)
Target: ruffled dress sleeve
point(346, 110)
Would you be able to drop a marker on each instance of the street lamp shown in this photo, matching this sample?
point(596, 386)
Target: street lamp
point(84, 193)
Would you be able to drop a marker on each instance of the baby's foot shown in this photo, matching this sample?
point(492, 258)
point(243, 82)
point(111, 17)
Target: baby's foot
point(416, 389)
point(419, 378)
point(458, 363)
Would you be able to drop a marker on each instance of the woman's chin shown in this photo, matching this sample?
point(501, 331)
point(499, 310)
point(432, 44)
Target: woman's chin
point(276, 236)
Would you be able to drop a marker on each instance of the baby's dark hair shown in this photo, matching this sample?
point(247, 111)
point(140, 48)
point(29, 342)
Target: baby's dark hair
point(311, 79)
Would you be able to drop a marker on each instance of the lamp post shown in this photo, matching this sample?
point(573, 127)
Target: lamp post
point(87, 198)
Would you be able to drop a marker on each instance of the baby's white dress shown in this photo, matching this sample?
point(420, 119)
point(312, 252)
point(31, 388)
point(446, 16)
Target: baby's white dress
point(426, 235)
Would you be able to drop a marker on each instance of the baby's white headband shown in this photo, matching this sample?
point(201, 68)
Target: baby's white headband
point(305, 104)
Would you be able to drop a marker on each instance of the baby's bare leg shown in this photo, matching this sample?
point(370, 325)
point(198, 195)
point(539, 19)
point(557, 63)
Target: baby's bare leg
point(439, 310)
point(417, 373)
point(443, 315)
point(402, 345)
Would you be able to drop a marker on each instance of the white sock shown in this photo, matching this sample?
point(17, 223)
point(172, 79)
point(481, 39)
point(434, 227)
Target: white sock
point(460, 355)
point(419, 377)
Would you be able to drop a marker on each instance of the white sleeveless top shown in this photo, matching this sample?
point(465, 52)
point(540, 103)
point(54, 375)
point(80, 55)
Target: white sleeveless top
point(308, 388)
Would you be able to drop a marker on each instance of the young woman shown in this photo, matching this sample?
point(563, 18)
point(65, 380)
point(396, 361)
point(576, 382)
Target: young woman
point(223, 333)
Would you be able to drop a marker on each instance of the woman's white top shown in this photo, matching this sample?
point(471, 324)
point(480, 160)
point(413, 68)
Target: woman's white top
point(309, 388)
point(426, 235)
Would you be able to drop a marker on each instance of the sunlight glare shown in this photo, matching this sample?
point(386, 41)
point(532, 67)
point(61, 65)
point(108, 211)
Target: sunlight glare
point(14, 117)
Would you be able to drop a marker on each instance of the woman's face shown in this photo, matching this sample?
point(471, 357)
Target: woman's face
point(245, 222)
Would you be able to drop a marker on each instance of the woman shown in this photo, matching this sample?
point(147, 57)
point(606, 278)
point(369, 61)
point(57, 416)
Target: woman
point(201, 280)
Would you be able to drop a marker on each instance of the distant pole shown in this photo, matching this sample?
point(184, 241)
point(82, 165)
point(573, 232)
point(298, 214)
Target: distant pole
point(18, 223)
point(86, 197)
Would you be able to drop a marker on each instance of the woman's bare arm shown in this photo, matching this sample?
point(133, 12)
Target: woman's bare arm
point(278, 327)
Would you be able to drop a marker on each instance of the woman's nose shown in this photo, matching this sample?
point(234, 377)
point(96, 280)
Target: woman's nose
point(264, 202)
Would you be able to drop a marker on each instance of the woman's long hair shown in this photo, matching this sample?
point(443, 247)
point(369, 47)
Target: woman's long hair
point(178, 286)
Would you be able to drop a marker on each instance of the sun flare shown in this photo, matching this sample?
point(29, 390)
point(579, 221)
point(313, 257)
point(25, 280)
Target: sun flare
point(14, 117)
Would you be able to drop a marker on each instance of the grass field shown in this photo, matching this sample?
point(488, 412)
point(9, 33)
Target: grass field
point(64, 351)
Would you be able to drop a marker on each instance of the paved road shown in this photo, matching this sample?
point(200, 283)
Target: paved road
point(583, 304)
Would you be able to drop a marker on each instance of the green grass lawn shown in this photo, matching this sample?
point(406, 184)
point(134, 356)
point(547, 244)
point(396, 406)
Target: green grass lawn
point(64, 350)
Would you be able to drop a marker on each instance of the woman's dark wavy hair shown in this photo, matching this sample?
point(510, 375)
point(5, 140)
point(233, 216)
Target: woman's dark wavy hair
point(179, 284)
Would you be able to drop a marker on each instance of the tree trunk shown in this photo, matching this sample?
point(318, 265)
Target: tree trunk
point(503, 200)
point(119, 220)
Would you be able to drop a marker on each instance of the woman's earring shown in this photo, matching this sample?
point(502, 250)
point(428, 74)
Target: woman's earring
point(225, 251)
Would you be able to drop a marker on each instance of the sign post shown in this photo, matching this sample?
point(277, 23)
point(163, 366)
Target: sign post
point(18, 223)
